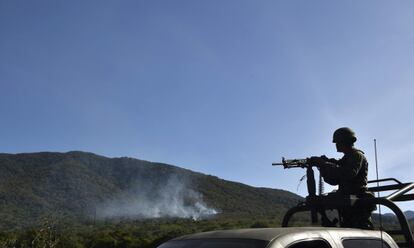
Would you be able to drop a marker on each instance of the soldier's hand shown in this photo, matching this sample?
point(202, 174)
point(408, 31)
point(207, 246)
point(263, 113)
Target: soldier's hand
point(317, 161)
point(325, 157)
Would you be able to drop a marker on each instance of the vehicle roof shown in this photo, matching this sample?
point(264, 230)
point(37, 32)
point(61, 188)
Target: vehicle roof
point(269, 234)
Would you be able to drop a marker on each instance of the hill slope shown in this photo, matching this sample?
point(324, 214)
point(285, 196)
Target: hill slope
point(80, 186)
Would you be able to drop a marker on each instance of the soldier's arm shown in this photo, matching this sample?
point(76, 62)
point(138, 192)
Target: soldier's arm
point(330, 174)
point(330, 171)
point(351, 166)
point(323, 161)
point(332, 161)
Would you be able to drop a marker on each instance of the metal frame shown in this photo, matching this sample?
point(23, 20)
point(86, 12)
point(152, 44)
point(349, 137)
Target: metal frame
point(329, 201)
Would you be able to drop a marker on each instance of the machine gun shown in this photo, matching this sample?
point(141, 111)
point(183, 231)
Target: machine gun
point(307, 163)
point(294, 163)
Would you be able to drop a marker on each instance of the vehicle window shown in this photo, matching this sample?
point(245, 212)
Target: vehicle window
point(359, 243)
point(310, 244)
point(215, 243)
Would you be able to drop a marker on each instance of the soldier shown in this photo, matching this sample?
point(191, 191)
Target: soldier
point(350, 174)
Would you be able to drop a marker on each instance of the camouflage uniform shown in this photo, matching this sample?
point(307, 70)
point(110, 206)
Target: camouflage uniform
point(350, 174)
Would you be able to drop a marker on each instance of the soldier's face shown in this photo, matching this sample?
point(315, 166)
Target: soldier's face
point(339, 147)
point(344, 148)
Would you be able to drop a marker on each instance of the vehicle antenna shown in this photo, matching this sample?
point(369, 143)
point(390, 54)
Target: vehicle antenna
point(378, 193)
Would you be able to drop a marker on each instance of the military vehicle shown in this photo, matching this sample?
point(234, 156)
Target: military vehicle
point(329, 235)
point(318, 205)
point(290, 237)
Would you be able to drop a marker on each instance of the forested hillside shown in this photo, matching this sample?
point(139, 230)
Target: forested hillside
point(80, 186)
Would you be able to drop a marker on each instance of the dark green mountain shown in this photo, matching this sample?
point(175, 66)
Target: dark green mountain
point(79, 186)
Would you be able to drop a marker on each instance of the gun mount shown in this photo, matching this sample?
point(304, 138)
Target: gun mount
point(310, 181)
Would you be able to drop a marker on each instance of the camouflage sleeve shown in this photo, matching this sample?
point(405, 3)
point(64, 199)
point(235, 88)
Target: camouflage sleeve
point(351, 166)
point(330, 172)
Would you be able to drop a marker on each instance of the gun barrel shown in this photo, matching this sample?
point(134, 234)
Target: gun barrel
point(296, 161)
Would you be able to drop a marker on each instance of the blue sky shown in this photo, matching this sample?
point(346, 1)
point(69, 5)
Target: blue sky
point(221, 87)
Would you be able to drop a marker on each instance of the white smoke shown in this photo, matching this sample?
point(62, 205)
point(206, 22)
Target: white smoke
point(172, 199)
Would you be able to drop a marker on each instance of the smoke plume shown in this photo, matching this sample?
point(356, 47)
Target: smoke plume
point(172, 199)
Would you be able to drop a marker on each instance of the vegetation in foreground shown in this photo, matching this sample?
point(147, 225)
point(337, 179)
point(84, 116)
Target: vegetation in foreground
point(122, 234)
point(133, 233)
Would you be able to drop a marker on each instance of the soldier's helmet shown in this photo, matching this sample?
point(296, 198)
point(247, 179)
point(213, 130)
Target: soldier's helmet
point(344, 135)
